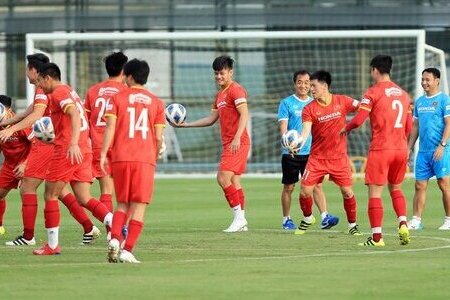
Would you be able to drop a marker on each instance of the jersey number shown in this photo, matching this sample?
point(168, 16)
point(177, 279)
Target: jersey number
point(139, 124)
point(84, 123)
point(101, 102)
point(397, 105)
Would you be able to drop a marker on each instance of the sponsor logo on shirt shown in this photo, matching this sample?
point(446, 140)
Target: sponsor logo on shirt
point(426, 109)
point(139, 98)
point(332, 116)
point(393, 91)
point(107, 91)
point(222, 103)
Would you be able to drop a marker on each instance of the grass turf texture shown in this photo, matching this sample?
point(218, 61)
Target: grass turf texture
point(186, 255)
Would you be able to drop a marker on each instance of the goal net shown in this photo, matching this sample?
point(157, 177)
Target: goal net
point(181, 72)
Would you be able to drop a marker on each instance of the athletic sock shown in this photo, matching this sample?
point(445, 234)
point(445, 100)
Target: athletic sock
point(29, 213)
point(134, 231)
point(77, 211)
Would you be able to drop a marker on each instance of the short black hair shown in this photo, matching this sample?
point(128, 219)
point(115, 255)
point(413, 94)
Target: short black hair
point(321, 76)
point(223, 62)
point(50, 69)
point(36, 60)
point(6, 101)
point(436, 73)
point(383, 63)
point(114, 63)
point(138, 69)
point(299, 72)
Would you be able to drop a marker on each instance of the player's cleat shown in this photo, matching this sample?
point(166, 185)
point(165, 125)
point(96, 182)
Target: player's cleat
point(46, 250)
point(371, 243)
point(113, 250)
point(329, 221)
point(304, 225)
point(289, 225)
point(445, 226)
point(354, 230)
point(91, 236)
point(21, 241)
point(403, 235)
point(2, 230)
point(415, 225)
point(128, 257)
point(238, 225)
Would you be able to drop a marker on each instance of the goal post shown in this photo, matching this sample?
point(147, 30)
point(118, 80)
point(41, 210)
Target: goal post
point(180, 64)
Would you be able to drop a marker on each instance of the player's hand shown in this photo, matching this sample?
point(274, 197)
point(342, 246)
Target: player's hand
point(5, 134)
point(438, 153)
point(343, 131)
point(181, 125)
point(235, 145)
point(74, 153)
point(19, 170)
point(162, 149)
point(103, 163)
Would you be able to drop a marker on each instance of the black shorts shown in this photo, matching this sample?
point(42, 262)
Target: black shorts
point(292, 167)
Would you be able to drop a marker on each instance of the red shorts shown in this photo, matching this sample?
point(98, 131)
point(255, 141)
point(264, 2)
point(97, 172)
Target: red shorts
point(133, 181)
point(338, 169)
point(61, 169)
point(386, 166)
point(8, 179)
point(96, 168)
point(38, 160)
point(236, 163)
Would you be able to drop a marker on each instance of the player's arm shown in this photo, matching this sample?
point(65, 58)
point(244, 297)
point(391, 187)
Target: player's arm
point(37, 112)
point(283, 126)
point(439, 152)
point(108, 138)
point(74, 152)
point(204, 122)
point(357, 120)
point(283, 117)
point(18, 117)
point(159, 137)
point(243, 120)
point(306, 131)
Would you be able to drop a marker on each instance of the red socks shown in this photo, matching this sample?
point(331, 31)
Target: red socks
point(350, 209)
point(119, 219)
point(77, 211)
point(134, 231)
point(399, 204)
point(306, 205)
point(232, 196)
point(51, 214)
point(29, 213)
point(376, 216)
point(241, 198)
point(106, 199)
point(2, 210)
point(98, 209)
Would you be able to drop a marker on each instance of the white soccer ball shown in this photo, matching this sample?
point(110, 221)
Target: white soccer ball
point(2, 112)
point(175, 113)
point(291, 140)
point(43, 130)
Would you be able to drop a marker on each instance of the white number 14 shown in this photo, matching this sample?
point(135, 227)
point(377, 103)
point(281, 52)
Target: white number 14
point(141, 124)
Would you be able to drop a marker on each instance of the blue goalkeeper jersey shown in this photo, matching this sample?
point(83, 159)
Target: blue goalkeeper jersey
point(290, 110)
point(431, 111)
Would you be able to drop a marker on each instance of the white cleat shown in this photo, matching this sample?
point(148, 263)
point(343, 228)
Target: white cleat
point(113, 251)
point(128, 257)
point(415, 225)
point(445, 226)
point(21, 241)
point(91, 236)
point(237, 225)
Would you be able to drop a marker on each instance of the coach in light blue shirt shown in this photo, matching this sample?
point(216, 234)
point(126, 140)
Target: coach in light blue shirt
point(432, 126)
point(293, 164)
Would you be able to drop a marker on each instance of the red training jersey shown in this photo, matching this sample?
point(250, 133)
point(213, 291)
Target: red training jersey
point(16, 148)
point(389, 106)
point(61, 99)
point(41, 99)
point(138, 112)
point(227, 101)
point(327, 121)
point(95, 104)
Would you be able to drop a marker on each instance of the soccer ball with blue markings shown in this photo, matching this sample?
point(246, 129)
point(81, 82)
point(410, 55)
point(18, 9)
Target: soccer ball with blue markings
point(43, 130)
point(291, 141)
point(175, 113)
point(2, 112)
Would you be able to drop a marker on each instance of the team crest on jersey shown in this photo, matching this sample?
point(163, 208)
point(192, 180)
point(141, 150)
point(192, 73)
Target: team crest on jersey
point(393, 91)
point(139, 98)
point(435, 104)
point(107, 91)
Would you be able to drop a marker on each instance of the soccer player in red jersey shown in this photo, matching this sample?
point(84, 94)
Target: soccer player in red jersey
point(37, 164)
point(230, 108)
point(72, 156)
point(135, 121)
point(388, 107)
point(95, 104)
point(15, 150)
point(323, 118)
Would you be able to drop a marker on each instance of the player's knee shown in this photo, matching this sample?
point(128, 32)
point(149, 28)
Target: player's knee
point(288, 188)
point(223, 180)
point(444, 185)
point(420, 186)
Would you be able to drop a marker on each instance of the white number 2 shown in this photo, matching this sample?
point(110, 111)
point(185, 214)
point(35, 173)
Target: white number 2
point(141, 124)
point(397, 105)
point(100, 102)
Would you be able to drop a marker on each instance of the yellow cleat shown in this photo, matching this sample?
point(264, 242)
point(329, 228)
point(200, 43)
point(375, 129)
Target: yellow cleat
point(304, 225)
point(371, 243)
point(2, 230)
point(403, 234)
point(354, 231)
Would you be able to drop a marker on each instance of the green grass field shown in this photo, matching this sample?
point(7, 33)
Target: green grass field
point(185, 255)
